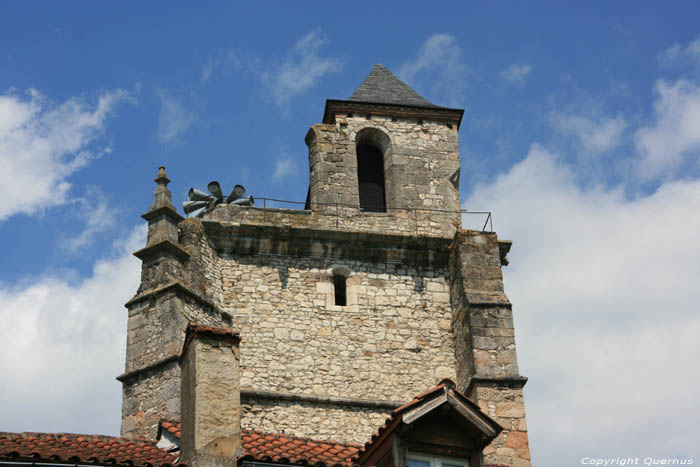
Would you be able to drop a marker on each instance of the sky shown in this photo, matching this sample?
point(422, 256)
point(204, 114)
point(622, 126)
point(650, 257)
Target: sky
point(581, 135)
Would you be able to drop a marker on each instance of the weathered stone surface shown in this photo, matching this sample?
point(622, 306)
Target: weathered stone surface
point(148, 398)
point(210, 402)
point(296, 339)
point(318, 421)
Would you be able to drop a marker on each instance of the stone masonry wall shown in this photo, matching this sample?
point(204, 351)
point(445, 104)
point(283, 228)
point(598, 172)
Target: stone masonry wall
point(392, 341)
point(156, 328)
point(507, 407)
point(149, 397)
point(325, 422)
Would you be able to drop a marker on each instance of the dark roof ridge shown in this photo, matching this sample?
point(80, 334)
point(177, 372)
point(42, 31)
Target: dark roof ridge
point(68, 434)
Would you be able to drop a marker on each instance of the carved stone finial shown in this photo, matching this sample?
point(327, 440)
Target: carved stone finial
point(162, 177)
point(161, 196)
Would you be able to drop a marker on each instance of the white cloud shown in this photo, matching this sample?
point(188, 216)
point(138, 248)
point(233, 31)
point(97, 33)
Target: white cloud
point(516, 74)
point(63, 344)
point(227, 61)
point(437, 50)
point(677, 53)
point(42, 144)
point(605, 298)
point(98, 215)
point(284, 167)
point(595, 134)
point(674, 136)
point(438, 67)
point(176, 115)
point(302, 68)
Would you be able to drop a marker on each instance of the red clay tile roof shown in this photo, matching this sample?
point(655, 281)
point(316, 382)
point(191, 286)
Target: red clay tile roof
point(94, 449)
point(285, 449)
point(173, 426)
point(292, 450)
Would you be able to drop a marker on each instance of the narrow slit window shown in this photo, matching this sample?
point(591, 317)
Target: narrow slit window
point(340, 290)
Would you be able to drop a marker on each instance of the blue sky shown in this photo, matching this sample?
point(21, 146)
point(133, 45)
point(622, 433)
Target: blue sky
point(581, 134)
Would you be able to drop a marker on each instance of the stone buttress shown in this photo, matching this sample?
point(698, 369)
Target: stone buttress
point(172, 293)
point(487, 367)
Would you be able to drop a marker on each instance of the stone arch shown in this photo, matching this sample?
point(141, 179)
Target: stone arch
point(372, 149)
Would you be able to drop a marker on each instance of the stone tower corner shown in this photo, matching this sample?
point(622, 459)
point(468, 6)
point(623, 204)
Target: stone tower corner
point(487, 367)
point(165, 302)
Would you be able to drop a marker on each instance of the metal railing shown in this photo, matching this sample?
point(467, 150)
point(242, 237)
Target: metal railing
point(488, 222)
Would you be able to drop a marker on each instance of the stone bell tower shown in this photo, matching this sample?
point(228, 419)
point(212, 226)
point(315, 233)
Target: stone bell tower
point(348, 308)
point(388, 150)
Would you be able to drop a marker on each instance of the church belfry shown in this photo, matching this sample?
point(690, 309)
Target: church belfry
point(331, 318)
point(387, 149)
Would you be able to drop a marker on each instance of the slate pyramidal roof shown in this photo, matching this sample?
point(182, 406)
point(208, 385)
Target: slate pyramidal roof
point(383, 87)
point(382, 93)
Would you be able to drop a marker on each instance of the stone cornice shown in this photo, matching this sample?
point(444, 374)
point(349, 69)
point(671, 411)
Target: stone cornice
point(516, 382)
point(168, 211)
point(160, 247)
point(174, 286)
point(504, 247)
point(486, 298)
point(217, 333)
point(440, 114)
point(249, 394)
point(146, 368)
point(308, 242)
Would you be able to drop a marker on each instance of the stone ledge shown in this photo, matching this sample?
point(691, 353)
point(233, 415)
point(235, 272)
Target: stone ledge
point(487, 304)
point(515, 382)
point(151, 366)
point(481, 298)
point(163, 246)
point(251, 394)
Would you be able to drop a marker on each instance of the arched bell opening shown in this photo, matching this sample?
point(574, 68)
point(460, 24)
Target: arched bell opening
point(372, 147)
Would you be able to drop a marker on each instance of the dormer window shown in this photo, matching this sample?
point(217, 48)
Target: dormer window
point(438, 422)
point(422, 460)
